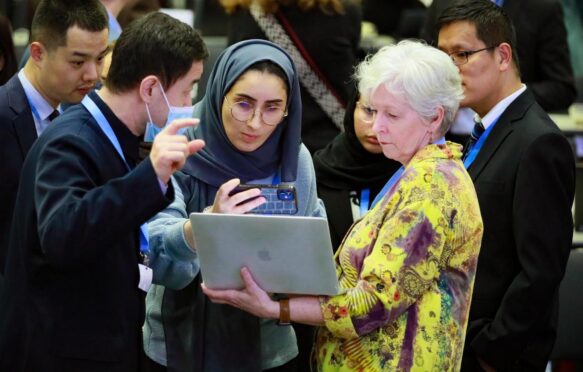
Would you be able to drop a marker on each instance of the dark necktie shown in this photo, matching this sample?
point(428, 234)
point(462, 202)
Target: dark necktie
point(53, 115)
point(474, 136)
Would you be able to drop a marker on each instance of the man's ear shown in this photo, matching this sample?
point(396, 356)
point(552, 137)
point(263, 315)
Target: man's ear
point(505, 56)
point(37, 51)
point(147, 86)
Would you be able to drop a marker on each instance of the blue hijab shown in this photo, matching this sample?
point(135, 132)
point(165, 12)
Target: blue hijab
point(219, 160)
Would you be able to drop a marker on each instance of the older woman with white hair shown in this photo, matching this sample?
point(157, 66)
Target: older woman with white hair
point(407, 267)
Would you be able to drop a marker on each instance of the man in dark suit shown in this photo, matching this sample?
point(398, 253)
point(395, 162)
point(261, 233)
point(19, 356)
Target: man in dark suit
point(74, 280)
point(545, 64)
point(69, 42)
point(524, 173)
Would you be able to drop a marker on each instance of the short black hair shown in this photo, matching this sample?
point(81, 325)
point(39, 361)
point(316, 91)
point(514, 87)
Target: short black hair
point(493, 26)
point(53, 18)
point(155, 44)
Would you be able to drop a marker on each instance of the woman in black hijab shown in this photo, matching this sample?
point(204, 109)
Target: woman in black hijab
point(351, 171)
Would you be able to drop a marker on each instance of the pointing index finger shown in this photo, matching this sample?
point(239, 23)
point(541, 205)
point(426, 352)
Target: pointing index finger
point(178, 124)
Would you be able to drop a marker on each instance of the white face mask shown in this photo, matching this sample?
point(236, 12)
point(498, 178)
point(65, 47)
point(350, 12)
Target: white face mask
point(174, 112)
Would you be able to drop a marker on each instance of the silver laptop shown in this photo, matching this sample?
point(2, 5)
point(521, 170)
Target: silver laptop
point(285, 254)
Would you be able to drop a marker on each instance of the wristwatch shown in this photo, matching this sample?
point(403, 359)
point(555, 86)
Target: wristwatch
point(284, 315)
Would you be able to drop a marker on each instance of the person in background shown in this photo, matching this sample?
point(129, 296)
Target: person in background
point(542, 47)
point(523, 169)
point(407, 268)
point(250, 120)
point(351, 170)
point(327, 33)
point(68, 44)
point(75, 276)
point(137, 9)
point(388, 16)
point(114, 8)
point(7, 53)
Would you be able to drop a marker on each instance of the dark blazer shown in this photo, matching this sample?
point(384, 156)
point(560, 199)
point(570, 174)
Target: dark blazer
point(525, 181)
point(17, 134)
point(71, 299)
point(543, 52)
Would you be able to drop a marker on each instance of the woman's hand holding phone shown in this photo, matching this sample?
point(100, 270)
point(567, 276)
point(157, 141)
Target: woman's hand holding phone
point(238, 203)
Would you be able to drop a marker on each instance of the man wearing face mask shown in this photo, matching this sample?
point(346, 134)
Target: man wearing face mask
point(174, 113)
point(77, 261)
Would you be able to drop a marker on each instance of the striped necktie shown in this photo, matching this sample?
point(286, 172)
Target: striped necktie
point(474, 136)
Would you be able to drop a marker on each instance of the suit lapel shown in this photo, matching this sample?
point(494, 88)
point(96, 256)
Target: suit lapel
point(502, 130)
point(23, 121)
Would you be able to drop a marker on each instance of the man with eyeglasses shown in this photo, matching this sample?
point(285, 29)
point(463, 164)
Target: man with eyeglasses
point(524, 173)
point(545, 64)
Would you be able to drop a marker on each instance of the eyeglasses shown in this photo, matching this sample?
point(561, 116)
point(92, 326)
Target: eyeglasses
point(365, 113)
point(461, 58)
point(244, 111)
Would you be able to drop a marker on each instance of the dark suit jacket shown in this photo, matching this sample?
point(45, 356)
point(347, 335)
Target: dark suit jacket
point(542, 48)
point(71, 299)
point(17, 134)
point(525, 181)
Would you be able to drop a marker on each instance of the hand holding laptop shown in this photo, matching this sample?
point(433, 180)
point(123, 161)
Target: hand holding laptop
point(251, 299)
point(286, 254)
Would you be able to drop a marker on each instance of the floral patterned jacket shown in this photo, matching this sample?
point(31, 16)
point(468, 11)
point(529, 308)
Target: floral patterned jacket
point(407, 269)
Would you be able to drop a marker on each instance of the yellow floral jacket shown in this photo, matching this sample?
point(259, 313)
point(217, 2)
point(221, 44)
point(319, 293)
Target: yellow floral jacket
point(407, 269)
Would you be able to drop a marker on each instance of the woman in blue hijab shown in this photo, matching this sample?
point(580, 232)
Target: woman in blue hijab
point(250, 119)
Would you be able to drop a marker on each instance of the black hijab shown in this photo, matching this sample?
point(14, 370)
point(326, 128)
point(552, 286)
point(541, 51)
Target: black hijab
point(346, 165)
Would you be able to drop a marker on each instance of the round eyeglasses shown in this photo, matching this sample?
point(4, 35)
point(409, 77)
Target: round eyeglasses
point(365, 113)
point(462, 57)
point(244, 111)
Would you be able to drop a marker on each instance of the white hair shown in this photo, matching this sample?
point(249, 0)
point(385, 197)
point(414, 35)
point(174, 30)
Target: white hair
point(423, 75)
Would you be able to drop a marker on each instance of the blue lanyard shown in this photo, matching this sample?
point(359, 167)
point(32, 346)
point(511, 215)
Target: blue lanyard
point(396, 176)
point(108, 131)
point(478, 145)
point(275, 180)
point(364, 201)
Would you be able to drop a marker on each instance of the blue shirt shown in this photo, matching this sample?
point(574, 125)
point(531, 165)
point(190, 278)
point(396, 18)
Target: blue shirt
point(39, 106)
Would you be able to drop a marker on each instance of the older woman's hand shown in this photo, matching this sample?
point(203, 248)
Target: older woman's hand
point(252, 298)
point(236, 203)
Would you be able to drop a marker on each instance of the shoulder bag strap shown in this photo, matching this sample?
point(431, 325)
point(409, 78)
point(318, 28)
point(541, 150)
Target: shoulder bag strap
point(314, 83)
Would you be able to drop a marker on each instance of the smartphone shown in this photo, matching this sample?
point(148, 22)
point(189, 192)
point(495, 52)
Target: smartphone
point(281, 199)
